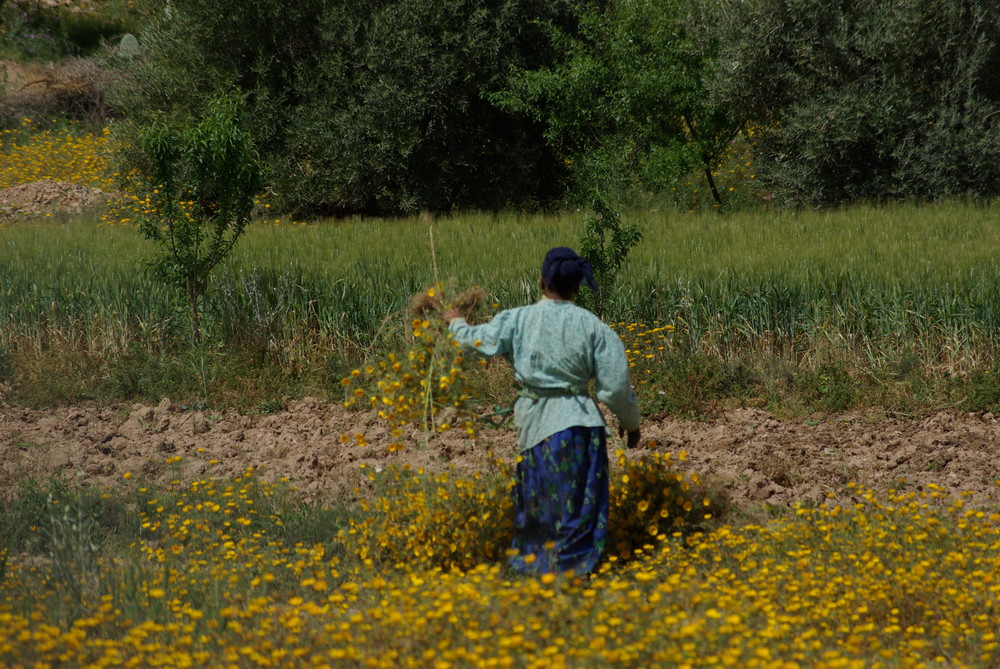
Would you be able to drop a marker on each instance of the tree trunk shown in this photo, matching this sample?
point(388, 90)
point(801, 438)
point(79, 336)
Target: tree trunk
point(193, 292)
point(707, 161)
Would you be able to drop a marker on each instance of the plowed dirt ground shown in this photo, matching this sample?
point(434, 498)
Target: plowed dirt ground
point(746, 454)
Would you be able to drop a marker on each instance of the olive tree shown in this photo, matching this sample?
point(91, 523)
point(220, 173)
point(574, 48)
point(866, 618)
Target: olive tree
point(864, 99)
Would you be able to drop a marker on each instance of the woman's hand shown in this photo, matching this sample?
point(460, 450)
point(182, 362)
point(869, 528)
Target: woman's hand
point(633, 437)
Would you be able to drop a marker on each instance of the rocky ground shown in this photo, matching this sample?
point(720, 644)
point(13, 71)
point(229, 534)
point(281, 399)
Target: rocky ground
point(48, 196)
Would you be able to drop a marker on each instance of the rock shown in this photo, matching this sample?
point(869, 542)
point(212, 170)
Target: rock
point(128, 46)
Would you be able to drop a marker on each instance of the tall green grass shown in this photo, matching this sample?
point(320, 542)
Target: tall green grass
point(900, 277)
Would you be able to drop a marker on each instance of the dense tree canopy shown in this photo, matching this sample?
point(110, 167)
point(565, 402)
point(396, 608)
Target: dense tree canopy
point(395, 106)
point(624, 99)
point(362, 106)
point(865, 99)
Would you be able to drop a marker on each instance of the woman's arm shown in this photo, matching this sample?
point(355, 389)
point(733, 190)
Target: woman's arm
point(489, 339)
point(614, 387)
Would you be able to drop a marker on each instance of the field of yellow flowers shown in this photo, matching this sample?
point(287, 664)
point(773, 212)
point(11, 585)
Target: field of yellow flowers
point(214, 572)
point(218, 575)
point(75, 154)
point(63, 153)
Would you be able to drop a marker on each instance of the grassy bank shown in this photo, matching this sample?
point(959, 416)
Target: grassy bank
point(878, 300)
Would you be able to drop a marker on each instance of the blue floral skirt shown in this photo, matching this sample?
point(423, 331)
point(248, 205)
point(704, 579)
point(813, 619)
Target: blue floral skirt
point(561, 503)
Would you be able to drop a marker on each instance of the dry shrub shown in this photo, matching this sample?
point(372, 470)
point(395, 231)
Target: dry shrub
point(653, 498)
point(424, 521)
point(471, 303)
point(425, 302)
point(76, 90)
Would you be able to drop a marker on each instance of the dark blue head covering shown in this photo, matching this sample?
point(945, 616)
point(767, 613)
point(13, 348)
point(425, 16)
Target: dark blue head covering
point(563, 270)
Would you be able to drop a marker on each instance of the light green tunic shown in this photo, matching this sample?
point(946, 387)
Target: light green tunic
point(556, 348)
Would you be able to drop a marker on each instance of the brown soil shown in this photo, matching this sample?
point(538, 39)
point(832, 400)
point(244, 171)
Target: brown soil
point(15, 75)
point(751, 456)
point(46, 196)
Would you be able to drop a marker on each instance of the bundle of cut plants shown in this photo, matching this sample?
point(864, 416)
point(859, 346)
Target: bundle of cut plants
point(426, 383)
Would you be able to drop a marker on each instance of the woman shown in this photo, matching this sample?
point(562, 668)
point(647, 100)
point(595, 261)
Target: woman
point(557, 348)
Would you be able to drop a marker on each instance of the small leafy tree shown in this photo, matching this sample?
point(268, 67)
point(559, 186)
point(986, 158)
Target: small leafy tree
point(606, 244)
point(201, 177)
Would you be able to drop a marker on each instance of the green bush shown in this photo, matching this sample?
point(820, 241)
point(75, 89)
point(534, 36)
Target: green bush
point(201, 175)
point(606, 243)
point(864, 100)
point(828, 388)
point(982, 391)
